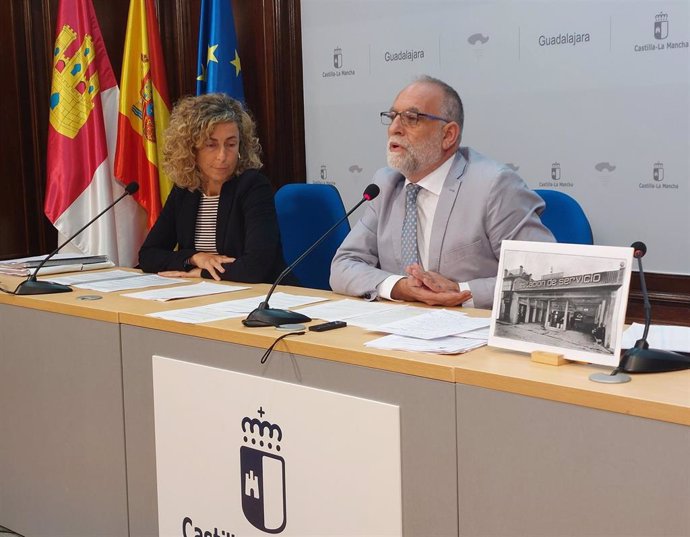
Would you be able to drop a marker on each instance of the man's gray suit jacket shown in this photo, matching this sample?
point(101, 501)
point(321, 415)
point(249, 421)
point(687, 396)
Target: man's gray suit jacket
point(481, 204)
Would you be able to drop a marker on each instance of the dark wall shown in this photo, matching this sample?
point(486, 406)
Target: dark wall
point(270, 46)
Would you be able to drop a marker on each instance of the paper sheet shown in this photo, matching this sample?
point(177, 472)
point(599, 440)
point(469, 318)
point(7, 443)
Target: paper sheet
point(340, 310)
point(479, 333)
point(233, 308)
point(435, 324)
point(200, 314)
point(94, 277)
point(186, 291)
point(445, 345)
point(372, 321)
point(661, 337)
point(138, 281)
point(278, 300)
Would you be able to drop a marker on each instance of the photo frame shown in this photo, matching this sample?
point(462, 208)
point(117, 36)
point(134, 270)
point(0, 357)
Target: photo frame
point(567, 299)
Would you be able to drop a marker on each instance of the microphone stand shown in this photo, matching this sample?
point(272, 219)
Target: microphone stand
point(264, 315)
point(640, 358)
point(32, 286)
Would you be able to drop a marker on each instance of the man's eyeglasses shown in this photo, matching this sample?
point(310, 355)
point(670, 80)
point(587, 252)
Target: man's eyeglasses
point(408, 118)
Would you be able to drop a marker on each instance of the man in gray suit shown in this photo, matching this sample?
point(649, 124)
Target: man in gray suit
point(434, 233)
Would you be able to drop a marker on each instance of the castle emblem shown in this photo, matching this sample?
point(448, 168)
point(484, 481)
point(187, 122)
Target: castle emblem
point(661, 26)
point(73, 91)
point(555, 171)
point(262, 473)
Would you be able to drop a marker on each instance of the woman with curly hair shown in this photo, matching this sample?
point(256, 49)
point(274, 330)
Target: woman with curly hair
point(219, 220)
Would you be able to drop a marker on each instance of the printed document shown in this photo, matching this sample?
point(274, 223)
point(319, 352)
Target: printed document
point(661, 337)
point(186, 291)
point(444, 345)
point(233, 308)
point(435, 324)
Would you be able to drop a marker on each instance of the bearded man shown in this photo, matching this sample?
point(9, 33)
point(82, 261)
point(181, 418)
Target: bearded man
point(434, 233)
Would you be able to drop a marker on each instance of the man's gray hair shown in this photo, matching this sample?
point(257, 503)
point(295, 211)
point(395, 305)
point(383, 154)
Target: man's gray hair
point(451, 108)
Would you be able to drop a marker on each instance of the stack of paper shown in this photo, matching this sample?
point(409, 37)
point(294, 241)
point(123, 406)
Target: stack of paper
point(26, 266)
point(443, 345)
point(438, 331)
point(411, 328)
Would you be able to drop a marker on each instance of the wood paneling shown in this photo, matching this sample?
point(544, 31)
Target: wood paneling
point(669, 296)
point(179, 27)
point(23, 64)
point(273, 85)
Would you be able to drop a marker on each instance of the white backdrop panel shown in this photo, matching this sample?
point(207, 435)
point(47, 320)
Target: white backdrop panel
point(595, 94)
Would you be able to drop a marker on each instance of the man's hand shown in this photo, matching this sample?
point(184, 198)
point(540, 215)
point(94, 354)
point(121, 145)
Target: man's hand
point(431, 280)
point(414, 289)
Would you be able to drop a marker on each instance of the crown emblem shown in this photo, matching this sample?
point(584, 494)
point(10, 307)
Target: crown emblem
point(262, 433)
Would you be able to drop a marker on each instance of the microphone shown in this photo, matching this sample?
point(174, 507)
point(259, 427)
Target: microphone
point(640, 358)
point(264, 315)
point(32, 286)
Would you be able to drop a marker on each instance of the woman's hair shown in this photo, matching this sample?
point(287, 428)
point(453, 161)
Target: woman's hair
point(191, 123)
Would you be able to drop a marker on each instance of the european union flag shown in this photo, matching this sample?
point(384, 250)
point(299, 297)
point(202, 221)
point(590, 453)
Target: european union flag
point(219, 67)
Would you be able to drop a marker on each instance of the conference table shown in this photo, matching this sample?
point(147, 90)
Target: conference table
point(113, 423)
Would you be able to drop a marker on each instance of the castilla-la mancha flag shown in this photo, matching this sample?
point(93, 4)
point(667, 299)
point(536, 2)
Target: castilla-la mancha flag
point(144, 110)
point(81, 142)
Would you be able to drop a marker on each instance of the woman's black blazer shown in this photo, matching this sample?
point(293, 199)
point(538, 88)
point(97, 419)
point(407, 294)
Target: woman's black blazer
point(246, 229)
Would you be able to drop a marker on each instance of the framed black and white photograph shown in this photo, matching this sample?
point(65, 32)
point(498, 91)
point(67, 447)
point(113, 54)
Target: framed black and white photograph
point(568, 299)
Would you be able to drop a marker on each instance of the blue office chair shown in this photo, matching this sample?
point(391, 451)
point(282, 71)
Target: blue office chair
point(565, 218)
point(305, 212)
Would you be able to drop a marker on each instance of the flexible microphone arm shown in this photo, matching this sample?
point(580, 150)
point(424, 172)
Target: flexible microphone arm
point(33, 287)
point(640, 358)
point(640, 249)
point(264, 315)
point(310, 250)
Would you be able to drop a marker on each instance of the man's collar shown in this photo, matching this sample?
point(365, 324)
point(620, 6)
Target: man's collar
point(435, 180)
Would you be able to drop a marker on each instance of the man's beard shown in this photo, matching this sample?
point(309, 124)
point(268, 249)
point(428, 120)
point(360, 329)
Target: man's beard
point(414, 158)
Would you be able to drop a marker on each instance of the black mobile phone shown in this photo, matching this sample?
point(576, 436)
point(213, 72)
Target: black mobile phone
point(327, 326)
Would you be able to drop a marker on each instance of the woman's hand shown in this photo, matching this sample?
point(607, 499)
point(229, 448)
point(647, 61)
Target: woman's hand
point(194, 273)
point(213, 263)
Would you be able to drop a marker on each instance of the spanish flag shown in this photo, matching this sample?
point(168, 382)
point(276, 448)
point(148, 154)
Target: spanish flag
point(144, 110)
point(81, 142)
